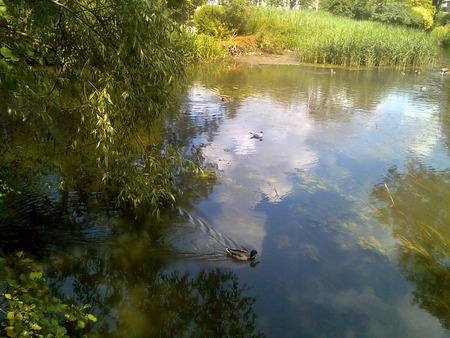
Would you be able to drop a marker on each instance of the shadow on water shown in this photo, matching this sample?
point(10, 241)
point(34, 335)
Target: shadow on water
point(136, 291)
point(126, 273)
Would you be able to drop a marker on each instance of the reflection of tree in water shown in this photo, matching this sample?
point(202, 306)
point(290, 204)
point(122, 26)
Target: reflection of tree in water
point(133, 296)
point(415, 205)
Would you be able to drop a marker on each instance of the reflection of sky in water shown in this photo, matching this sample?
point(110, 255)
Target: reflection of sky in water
point(300, 196)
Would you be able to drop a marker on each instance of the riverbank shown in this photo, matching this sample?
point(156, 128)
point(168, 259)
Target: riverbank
point(323, 39)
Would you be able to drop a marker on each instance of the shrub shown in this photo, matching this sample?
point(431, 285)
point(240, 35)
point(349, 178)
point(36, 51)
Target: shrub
point(442, 34)
point(211, 20)
point(423, 17)
point(236, 15)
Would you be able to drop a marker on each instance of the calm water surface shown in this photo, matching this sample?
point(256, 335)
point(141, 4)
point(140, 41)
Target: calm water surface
point(345, 197)
point(337, 196)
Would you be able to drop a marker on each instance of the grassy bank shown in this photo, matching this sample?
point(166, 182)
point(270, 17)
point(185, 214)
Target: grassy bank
point(320, 37)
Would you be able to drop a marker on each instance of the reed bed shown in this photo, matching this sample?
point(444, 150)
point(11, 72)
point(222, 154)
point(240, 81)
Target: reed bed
point(320, 37)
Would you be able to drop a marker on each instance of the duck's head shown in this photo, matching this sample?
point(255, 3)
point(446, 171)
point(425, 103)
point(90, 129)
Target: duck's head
point(253, 254)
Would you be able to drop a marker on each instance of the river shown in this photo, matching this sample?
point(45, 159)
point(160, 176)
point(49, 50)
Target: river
point(345, 197)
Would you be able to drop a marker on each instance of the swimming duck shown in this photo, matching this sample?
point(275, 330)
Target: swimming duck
point(444, 70)
point(417, 72)
point(257, 135)
point(242, 255)
point(332, 71)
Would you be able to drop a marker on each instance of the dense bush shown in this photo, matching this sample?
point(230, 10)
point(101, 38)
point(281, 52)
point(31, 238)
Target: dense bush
point(418, 13)
point(442, 34)
point(222, 21)
point(211, 20)
point(236, 15)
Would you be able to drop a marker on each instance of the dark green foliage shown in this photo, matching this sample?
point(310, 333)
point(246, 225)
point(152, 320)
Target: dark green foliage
point(339, 7)
point(183, 10)
point(409, 13)
point(236, 15)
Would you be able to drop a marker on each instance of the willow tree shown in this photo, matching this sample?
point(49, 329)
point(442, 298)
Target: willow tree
point(79, 80)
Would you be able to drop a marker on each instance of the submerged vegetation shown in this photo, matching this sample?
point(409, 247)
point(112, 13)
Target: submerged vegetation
point(423, 237)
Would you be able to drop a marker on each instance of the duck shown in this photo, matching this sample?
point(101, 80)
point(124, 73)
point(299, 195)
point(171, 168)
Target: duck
point(242, 255)
point(332, 71)
point(423, 89)
point(257, 135)
point(444, 70)
point(417, 72)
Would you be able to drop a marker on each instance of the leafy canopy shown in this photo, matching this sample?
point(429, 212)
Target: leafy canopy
point(84, 77)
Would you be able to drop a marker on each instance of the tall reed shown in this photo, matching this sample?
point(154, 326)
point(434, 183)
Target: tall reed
point(321, 37)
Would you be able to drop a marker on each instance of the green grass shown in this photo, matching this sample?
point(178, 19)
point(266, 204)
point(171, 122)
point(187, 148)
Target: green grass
point(320, 37)
point(202, 48)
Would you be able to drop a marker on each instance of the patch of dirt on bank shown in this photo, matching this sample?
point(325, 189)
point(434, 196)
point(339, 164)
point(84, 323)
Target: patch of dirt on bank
point(288, 58)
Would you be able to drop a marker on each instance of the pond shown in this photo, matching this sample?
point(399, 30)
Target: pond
point(345, 197)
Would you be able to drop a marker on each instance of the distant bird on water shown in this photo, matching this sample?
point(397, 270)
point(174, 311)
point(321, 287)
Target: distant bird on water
point(242, 255)
point(444, 70)
point(332, 71)
point(423, 89)
point(417, 72)
point(257, 135)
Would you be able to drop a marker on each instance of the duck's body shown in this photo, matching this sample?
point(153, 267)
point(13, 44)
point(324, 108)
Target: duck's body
point(242, 255)
point(257, 135)
point(444, 70)
point(332, 71)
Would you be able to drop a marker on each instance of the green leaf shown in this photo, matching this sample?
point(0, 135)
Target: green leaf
point(7, 296)
point(92, 317)
point(35, 326)
point(10, 315)
point(6, 52)
point(10, 331)
point(35, 275)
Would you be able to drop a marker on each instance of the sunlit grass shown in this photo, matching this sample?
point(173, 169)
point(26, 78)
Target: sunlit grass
point(320, 37)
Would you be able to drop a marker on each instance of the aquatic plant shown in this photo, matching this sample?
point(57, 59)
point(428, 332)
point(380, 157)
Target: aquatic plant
point(320, 37)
